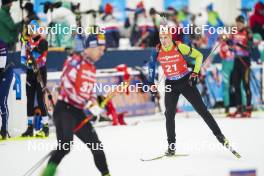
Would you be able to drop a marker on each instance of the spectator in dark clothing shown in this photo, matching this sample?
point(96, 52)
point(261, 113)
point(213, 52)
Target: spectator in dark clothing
point(256, 21)
point(112, 33)
point(30, 15)
point(174, 22)
point(155, 37)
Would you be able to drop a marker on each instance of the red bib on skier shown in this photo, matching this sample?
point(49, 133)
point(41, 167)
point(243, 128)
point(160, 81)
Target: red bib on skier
point(172, 62)
point(85, 79)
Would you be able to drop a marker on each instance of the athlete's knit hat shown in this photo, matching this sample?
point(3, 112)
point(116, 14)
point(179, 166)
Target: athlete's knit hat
point(94, 40)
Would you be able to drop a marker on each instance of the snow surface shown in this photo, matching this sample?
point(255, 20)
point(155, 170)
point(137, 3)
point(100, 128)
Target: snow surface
point(125, 145)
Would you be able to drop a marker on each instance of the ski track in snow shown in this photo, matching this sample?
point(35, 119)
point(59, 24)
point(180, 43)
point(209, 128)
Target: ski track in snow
point(125, 145)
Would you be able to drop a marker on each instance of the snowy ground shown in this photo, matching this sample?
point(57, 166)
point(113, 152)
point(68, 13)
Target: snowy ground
point(124, 146)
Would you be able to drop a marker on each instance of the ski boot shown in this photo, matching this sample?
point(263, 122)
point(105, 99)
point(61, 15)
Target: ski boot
point(4, 134)
point(247, 113)
point(227, 110)
point(222, 139)
point(44, 132)
point(50, 170)
point(106, 174)
point(114, 120)
point(29, 132)
point(171, 150)
point(121, 119)
point(236, 114)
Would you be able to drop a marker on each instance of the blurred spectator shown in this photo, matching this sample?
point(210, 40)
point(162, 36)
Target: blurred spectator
point(256, 21)
point(213, 21)
point(180, 19)
point(227, 55)
point(242, 44)
point(110, 24)
point(259, 42)
point(60, 14)
point(195, 39)
point(174, 22)
point(155, 20)
point(8, 29)
point(183, 16)
point(30, 15)
point(142, 30)
point(78, 43)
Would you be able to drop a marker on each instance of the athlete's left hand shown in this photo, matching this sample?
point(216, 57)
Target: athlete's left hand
point(193, 79)
point(96, 110)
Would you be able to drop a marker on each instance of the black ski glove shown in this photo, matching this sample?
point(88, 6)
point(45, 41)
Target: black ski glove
point(193, 79)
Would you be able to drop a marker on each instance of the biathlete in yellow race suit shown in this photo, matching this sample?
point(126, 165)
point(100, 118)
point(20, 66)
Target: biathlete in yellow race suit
point(181, 81)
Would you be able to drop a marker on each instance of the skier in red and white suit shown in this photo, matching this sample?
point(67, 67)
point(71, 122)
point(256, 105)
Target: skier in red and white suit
point(76, 94)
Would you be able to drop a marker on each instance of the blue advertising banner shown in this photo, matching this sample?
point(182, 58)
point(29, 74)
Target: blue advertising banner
point(134, 103)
